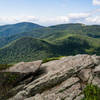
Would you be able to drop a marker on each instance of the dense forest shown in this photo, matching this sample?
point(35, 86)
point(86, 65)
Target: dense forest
point(28, 41)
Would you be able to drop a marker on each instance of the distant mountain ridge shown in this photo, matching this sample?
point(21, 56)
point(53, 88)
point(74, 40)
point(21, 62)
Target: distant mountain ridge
point(12, 29)
point(39, 42)
point(52, 32)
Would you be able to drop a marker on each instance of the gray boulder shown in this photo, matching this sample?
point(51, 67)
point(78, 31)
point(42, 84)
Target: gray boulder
point(20, 73)
point(25, 67)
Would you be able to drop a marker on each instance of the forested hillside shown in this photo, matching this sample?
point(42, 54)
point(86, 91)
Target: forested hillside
point(32, 41)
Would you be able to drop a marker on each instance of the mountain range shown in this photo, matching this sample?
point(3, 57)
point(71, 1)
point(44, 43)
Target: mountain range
point(29, 41)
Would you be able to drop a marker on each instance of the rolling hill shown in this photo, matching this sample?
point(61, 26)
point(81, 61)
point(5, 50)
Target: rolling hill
point(48, 33)
point(8, 30)
point(25, 49)
point(82, 29)
point(29, 49)
point(44, 42)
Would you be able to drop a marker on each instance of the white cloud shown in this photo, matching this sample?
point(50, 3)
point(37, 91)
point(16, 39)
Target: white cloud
point(11, 20)
point(78, 15)
point(39, 20)
point(53, 21)
point(85, 17)
point(96, 2)
point(93, 20)
point(91, 17)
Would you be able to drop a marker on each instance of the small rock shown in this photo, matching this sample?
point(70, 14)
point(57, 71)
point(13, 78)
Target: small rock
point(97, 69)
point(25, 67)
point(36, 97)
point(85, 74)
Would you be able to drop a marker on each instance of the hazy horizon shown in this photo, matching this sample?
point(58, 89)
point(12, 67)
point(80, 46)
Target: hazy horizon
point(47, 25)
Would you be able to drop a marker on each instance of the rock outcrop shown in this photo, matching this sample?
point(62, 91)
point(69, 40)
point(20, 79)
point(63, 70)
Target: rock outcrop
point(20, 73)
point(62, 79)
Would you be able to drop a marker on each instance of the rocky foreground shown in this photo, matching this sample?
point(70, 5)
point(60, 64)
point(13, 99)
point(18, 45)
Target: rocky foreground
point(62, 79)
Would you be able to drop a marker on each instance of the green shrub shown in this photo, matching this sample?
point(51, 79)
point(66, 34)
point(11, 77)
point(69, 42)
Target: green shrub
point(50, 59)
point(91, 92)
point(4, 66)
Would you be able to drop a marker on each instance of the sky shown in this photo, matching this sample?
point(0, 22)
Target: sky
point(50, 12)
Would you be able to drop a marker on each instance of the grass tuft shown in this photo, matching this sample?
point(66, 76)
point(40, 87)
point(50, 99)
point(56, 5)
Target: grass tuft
point(5, 66)
point(91, 92)
point(51, 59)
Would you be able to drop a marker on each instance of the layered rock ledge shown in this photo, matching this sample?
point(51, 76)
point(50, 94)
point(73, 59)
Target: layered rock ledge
point(62, 79)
